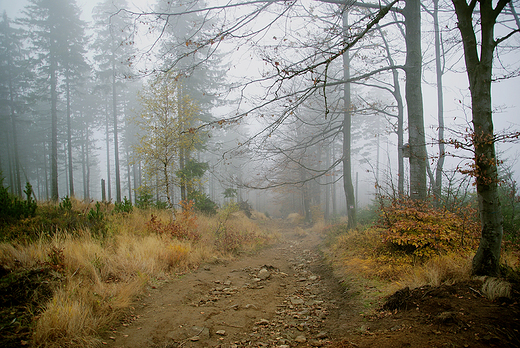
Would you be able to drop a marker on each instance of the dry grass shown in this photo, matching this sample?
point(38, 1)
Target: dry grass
point(510, 258)
point(300, 232)
point(99, 278)
point(445, 269)
point(239, 234)
point(295, 218)
point(319, 226)
point(494, 288)
point(256, 215)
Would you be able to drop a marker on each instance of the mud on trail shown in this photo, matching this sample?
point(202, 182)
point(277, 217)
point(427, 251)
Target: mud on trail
point(287, 296)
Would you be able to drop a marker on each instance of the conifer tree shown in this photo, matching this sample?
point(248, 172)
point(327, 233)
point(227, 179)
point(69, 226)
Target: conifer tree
point(14, 76)
point(114, 50)
point(56, 40)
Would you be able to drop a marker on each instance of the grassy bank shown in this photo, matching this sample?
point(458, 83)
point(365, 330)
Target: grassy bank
point(411, 245)
point(73, 282)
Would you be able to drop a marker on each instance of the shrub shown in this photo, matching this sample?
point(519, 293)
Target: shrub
point(235, 234)
point(230, 240)
point(202, 202)
point(66, 204)
point(227, 210)
point(368, 215)
point(123, 207)
point(246, 208)
point(96, 221)
point(144, 199)
point(13, 208)
point(184, 226)
point(316, 214)
point(421, 230)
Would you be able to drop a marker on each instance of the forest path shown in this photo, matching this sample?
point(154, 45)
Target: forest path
point(284, 295)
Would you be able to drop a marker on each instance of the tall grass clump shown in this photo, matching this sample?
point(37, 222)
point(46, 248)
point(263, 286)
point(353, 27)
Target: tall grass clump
point(235, 233)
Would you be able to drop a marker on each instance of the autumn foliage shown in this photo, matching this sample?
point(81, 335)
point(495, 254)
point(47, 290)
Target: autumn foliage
point(412, 242)
point(422, 230)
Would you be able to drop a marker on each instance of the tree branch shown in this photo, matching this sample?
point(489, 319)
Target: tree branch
point(499, 40)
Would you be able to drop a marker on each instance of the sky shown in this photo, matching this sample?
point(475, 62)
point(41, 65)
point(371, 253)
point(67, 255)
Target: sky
point(13, 7)
point(505, 93)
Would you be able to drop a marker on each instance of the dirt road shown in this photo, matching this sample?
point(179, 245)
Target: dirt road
point(282, 296)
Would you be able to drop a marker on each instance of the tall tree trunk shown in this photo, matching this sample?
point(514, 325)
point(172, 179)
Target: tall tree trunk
point(38, 183)
point(84, 167)
point(182, 151)
point(400, 116)
point(46, 173)
point(327, 184)
point(334, 200)
point(378, 151)
point(109, 189)
point(479, 70)
point(16, 159)
point(305, 197)
point(65, 165)
point(116, 141)
point(87, 162)
point(10, 165)
point(54, 120)
point(347, 125)
point(183, 179)
point(128, 175)
point(414, 103)
point(17, 180)
point(69, 141)
point(437, 187)
point(167, 183)
point(136, 184)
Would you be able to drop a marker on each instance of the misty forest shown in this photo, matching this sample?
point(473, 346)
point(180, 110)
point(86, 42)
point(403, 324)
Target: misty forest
point(141, 139)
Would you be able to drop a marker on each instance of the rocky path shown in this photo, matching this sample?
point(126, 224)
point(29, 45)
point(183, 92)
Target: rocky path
point(281, 297)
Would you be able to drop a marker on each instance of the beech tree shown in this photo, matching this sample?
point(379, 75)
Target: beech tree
point(163, 136)
point(478, 56)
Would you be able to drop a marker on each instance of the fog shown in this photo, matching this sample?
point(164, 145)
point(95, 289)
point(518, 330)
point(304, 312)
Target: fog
point(241, 101)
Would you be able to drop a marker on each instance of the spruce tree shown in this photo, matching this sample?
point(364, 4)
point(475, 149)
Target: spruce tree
point(113, 47)
point(56, 40)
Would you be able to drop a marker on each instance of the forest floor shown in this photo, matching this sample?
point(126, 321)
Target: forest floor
point(287, 295)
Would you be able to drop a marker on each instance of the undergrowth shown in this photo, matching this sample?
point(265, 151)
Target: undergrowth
point(412, 244)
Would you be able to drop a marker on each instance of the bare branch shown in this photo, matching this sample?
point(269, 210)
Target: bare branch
point(499, 40)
